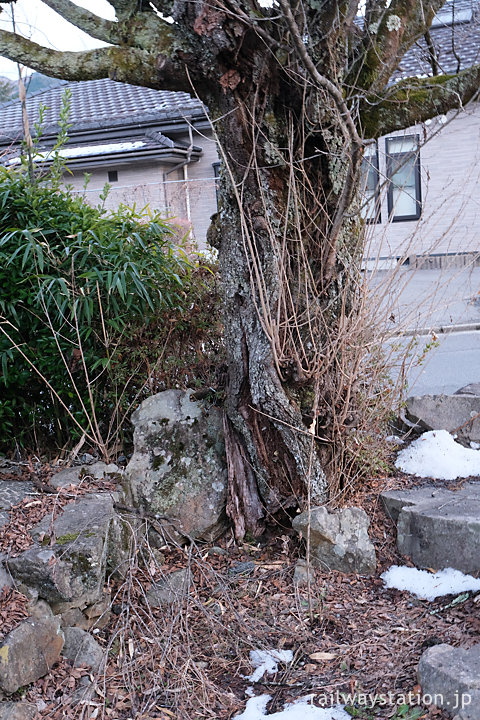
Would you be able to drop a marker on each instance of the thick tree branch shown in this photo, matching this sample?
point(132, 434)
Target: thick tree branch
point(124, 8)
point(125, 64)
point(93, 25)
point(417, 99)
point(351, 13)
point(374, 11)
point(139, 28)
point(317, 78)
point(387, 40)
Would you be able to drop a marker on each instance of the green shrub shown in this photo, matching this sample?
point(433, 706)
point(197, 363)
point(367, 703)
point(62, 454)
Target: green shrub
point(74, 281)
point(178, 348)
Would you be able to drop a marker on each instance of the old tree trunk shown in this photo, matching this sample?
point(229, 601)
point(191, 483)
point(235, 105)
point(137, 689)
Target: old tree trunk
point(285, 174)
point(293, 90)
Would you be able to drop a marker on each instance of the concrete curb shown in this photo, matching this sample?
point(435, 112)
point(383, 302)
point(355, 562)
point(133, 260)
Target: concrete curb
point(441, 329)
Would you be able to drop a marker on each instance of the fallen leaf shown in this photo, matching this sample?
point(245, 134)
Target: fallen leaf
point(319, 656)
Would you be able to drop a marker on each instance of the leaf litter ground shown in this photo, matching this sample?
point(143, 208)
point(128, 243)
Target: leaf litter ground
point(189, 658)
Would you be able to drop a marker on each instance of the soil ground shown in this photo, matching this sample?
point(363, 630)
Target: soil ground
point(188, 659)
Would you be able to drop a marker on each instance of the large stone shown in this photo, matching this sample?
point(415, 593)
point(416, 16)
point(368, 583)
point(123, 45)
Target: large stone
point(70, 572)
point(119, 550)
point(395, 500)
point(471, 389)
point(178, 470)
point(438, 528)
point(11, 493)
point(73, 617)
point(82, 649)
point(451, 677)
point(17, 710)
point(82, 473)
point(170, 589)
point(5, 578)
point(339, 540)
point(455, 413)
point(29, 651)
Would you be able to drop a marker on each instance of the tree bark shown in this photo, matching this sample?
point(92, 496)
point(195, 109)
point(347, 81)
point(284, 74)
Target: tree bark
point(277, 234)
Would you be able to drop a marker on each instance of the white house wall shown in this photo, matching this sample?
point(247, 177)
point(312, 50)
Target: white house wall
point(138, 184)
point(201, 186)
point(187, 196)
point(450, 173)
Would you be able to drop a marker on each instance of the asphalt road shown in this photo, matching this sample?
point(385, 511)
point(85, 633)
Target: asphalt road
point(427, 299)
point(442, 304)
point(448, 367)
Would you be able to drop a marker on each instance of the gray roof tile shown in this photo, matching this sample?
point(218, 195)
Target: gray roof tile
point(100, 104)
point(455, 33)
point(457, 48)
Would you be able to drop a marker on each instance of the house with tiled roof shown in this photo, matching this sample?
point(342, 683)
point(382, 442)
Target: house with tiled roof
point(156, 148)
point(152, 147)
point(422, 184)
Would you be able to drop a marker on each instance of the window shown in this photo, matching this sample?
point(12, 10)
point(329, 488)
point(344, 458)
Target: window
point(371, 185)
point(403, 174)
point(112, 176)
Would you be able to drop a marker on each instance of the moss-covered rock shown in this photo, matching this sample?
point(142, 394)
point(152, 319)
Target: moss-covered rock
point(29, 651)
point(70, 572)
point(178, 470)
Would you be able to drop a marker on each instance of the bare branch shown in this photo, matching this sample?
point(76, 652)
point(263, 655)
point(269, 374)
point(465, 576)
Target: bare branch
point(317, 78)
point(432, 54)
point(417, 99)
point(93, 25)
point(124, 64)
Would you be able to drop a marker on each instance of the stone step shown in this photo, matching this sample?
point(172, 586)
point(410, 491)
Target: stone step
point(450, 677)
point(438, 528)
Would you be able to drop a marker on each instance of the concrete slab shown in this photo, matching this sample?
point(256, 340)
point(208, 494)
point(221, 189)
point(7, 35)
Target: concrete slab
point(451, 678)
point(438, 528)
point(456, 413)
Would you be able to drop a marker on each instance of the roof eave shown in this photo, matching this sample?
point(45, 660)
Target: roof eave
point(169, 156)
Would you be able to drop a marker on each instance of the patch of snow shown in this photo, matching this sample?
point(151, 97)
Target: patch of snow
point(101, 149)
point(302, 709)
point(84, 151)
point(255, 708)
point(266, 661)
point(429, 585)
point(436, 454)
point(395, 440)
